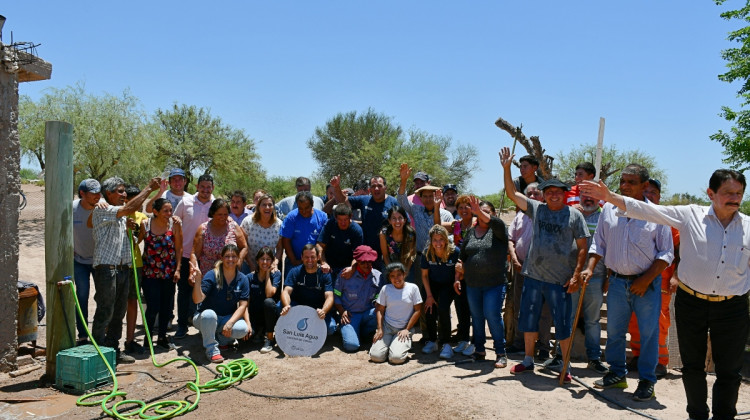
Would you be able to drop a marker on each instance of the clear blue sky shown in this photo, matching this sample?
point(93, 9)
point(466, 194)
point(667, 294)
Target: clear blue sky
point(279, 69)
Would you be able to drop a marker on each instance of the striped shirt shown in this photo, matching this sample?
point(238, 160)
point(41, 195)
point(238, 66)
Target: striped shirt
point(630, 246)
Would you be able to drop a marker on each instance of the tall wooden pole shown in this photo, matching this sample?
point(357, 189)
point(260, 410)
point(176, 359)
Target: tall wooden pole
point(58, 238)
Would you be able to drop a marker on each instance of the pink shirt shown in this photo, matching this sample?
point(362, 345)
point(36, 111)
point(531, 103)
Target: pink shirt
point(192, 213)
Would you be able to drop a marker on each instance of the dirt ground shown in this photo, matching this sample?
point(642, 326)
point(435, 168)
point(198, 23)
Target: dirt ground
point(425, 386)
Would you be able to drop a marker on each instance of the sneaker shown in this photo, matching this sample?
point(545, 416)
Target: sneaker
point(429, 347)
point(661, 371)
point(461, 346)
point(521, 368)
point(501, 361)
point(568, 378)
point(267, 346)
point(554, 364)
point(645, 391)
point(469, 350)
point(181, 332)
point(122, 358)
point(446, 352)
point(611, 380)
point(514, 350)
point(597, 366)
point(543, 355)
point(217, 358)
point(164, 343)
point(132, 347)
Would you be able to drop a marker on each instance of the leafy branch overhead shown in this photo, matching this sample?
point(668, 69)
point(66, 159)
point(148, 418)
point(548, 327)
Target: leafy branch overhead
point(736, 142)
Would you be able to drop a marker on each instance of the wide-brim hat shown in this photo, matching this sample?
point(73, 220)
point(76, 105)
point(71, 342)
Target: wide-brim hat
point(427, 188)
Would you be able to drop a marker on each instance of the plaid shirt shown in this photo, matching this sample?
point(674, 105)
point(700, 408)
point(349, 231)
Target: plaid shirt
point(111, 244)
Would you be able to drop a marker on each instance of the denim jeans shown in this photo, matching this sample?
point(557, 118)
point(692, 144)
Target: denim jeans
point(621, 303)
point(487, 303)
point(533, 296)
point(591, 314)
point(82, 274)
point(111, 297)
point(729, 324)
point(211, 325)
point(185, 304)
point(545, 319)
point(360, 323)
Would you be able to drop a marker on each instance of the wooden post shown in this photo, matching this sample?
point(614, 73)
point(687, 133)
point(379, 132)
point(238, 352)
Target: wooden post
point(58, 239)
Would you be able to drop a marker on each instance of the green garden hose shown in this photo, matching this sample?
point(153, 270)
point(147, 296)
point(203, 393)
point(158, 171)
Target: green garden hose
point(228, 374)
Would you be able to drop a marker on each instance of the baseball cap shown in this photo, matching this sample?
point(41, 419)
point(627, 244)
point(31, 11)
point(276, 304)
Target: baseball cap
point(553, 182)
point(421, 175)
point(447, 187)
point(176, 171)
point(656, 183)
point(90, 185)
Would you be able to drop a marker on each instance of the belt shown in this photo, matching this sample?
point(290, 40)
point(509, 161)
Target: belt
point(710, 298)
point(114, 267)
point(626, 276)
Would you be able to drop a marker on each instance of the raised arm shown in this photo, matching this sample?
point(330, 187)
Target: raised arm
point(599, 191)
point(137, 202)
point(506, 159)
point(163, 186)
point(337, 193)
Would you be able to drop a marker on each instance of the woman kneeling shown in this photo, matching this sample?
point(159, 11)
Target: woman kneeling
point(397, 310)
point(222, 299)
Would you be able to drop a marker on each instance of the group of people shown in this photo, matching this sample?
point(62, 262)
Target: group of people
point(375, 267)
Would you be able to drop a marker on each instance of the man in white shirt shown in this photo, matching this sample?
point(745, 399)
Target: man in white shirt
point(193, 211)
point(714, 280)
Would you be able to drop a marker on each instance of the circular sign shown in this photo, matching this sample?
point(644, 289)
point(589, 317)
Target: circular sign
point(300, 332)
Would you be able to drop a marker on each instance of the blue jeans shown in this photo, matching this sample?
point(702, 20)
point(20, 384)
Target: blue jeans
point(591, 313)
point(211, 325)
point(359, 323)
point(621, 304)
point(534, 294)
point(487, 303)
point(82, 274)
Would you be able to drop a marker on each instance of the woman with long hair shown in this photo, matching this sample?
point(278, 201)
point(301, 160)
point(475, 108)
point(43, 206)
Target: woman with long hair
point(484, 255)
point(213, 235)
point(262, 230)
point(222, 298)
point(398, 239)
point(264, 286)
point(438, 274)
point(162, 253)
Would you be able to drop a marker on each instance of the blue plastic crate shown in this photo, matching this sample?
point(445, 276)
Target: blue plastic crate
point(80, 369)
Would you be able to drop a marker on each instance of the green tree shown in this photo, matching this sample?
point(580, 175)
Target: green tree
point(192, 139)
point(613, 161)
point(110, 132)
point(736, 142)
point(358, 146)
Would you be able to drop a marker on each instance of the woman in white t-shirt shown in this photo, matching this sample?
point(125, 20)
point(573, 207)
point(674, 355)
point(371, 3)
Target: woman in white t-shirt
point(262, 229)
point(397, 309)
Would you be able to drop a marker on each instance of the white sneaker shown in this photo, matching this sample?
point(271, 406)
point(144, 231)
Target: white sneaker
point(429, 347)
point(447, 351)
point(461, 346)
point(267, 346)
point(469, 350)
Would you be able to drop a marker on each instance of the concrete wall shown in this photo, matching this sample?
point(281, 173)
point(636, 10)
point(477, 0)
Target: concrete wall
point(10, 160)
